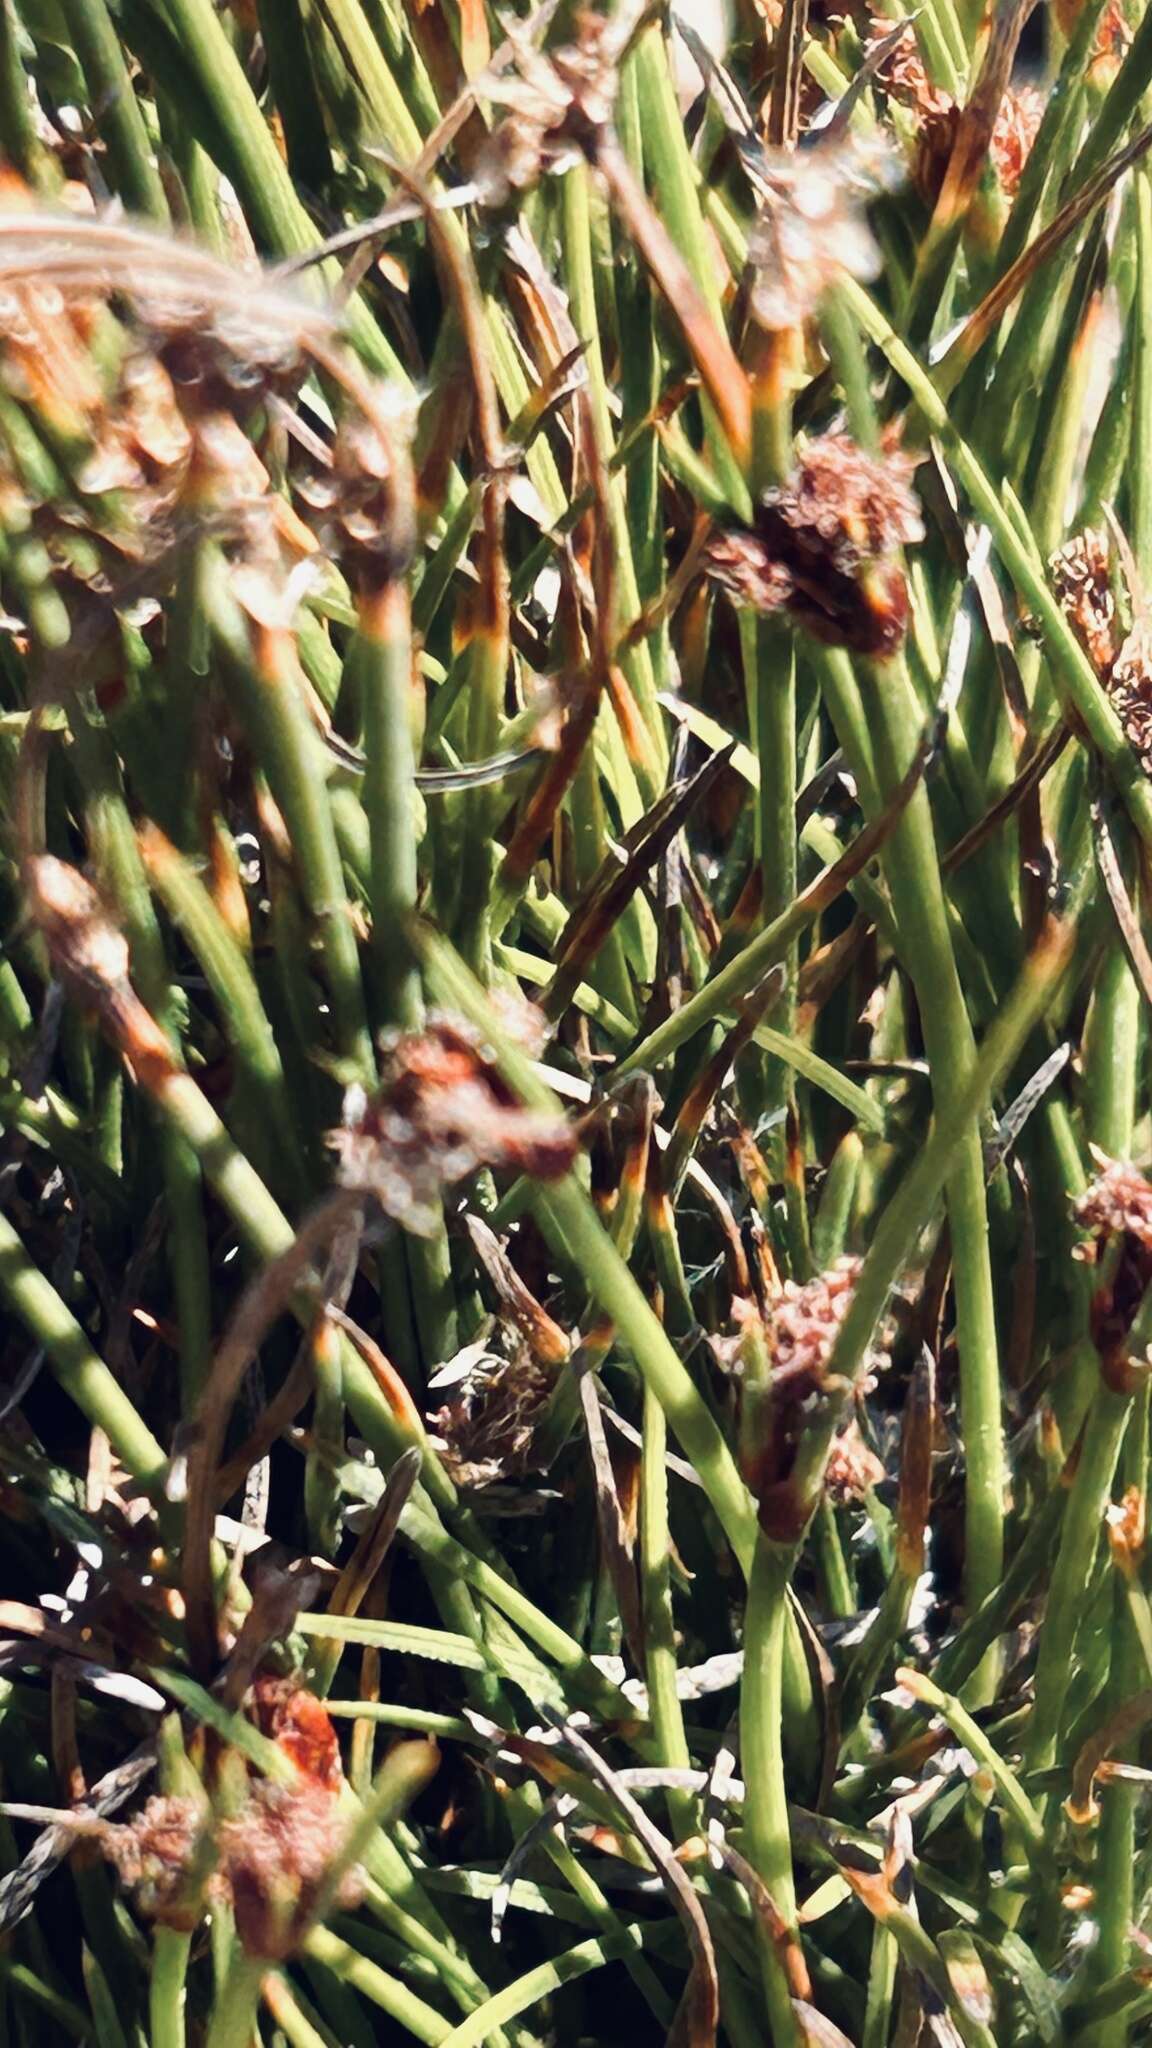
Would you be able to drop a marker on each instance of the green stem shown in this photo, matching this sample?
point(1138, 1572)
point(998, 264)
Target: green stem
point(1076, 680)
point(383, 653)
point(909, 1208)
point(19, 142)
point(280, 223)
point(116, 857)
point(1116, 1852)
point(290, 753)
point(233, 2022)
point(974, 1739)
point(538, 1983)
point(673, 178)
point(659, 1627)
point(233, 984)
point(1072, 1571)
point(1138, 483)
point(635, 658)
point(166, 1987)
point(892, 713)
point(766, 1835)
point(84, 1377)
point(394, 1998)
point(570, 1223)
point(115, 107)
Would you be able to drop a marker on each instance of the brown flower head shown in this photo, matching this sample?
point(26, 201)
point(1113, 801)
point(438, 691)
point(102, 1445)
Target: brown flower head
point(1130, 689)
point(798, 1337)
point(812, 228)
point(270, 1859)
point(152, 1856)
point(902, 72)
point(487, 1424)
point(559, 102)
point(1118, 1203)
point(1017, 120)
point(937, 117)
point(1082, 580)
point(934, 111)
point(853, 1468)
point(847, 507)
point(275, 1855)
point(804, 1322)
point(826, 545)
point(743, 566)
point(1116, 1209)
point(443, 1112)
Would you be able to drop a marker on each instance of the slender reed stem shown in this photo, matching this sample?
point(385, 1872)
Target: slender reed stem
point(761, 1753)
point(84, 1377)
point(114, 107)
point(166, 1987)
point(234, 2016)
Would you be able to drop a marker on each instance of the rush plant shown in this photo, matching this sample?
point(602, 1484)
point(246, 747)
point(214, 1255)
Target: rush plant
point(575, 1073)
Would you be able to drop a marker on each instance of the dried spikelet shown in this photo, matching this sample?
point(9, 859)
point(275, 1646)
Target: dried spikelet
point(196, 349)
point(87, 949)
point(242, 322)
point(1113, 37)
point(486, 1427)
point(442, 1113)
point(1128, 1530)
point(1130, 689)
point(152, 1856)
point(937, 117)
point(1082, 580)
point(811, 227)
point(1117, 1203)
point(91, 955)
point(826, 546)
point(560, 103)
point(1116, 1211)
point(371, 517)
point(1081, 574)
point(1017, 121)
point(742, 565)
point(275, 1855)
